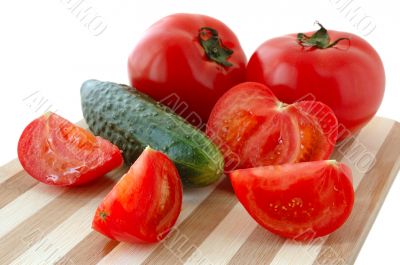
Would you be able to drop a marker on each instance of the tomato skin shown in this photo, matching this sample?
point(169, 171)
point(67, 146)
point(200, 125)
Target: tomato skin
point(249, 122)
point(144, 204)
point(348, 77)
point(57, 152)
point(300, 201)
point(170, 65)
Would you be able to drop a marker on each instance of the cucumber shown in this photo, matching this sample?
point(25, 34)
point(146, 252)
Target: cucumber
point(132, 121)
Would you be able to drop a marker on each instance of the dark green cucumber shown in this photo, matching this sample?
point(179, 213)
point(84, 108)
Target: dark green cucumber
point(132, 120)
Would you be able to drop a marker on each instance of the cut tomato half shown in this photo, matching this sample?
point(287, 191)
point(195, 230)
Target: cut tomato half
point(251, 123)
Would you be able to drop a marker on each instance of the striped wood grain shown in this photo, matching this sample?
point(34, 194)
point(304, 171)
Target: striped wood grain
point(40, 224)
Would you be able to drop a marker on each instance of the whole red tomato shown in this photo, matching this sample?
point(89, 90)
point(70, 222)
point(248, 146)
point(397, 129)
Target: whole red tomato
point(187, 61)
point(339, 69)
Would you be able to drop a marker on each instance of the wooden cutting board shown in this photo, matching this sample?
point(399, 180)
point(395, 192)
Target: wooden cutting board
point(40, 224)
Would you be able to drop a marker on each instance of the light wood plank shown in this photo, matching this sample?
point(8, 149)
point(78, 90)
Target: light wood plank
point(15, 186)
point(75, 228)
point(182, 242)
point(37, 226)
point(226, 239)
point(26, 205)
point(10, 169)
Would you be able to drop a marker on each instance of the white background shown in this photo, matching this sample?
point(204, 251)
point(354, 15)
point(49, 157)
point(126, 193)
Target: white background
point(47, 51)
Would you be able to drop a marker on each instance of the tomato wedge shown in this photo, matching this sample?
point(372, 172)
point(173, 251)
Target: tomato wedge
point(251, 123)
point(299, 201)
point(144, 204)
point(58, 152)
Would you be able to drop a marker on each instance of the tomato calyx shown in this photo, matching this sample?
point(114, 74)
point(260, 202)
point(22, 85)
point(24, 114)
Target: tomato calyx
point(320, 39)
point(213, 46)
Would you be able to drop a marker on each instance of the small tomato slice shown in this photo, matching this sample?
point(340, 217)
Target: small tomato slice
point(144, 204)
point(299, 201)
point(250, 122)
point(58, 152)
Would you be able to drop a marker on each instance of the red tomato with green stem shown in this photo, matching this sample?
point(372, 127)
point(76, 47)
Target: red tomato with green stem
point(253, 128)
point(58, 152)
point(144, 204)
point(299, 201)
point(337, 68)
point(187, 61)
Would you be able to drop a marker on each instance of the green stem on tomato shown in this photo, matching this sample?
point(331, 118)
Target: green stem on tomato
point(320, 39)
point(213, 47)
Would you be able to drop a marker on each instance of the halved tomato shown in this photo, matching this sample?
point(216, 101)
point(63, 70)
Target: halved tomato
point(144, 204)
point(253, 128)
point(58, 152)
point(299, 201)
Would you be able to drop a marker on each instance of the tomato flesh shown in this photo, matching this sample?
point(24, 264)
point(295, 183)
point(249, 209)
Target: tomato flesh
point(144, 204)
point(299, 201)
point(252, 123)
point(58, 152)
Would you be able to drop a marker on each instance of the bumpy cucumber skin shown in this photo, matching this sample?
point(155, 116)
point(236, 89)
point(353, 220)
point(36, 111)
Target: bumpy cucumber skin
point(132, 120)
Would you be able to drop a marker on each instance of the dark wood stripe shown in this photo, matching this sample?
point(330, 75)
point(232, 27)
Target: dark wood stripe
point(187, 237)
point(259, 248)
point(90, 250)
point(14, 186)
point(49, 217)
point(369, 197)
